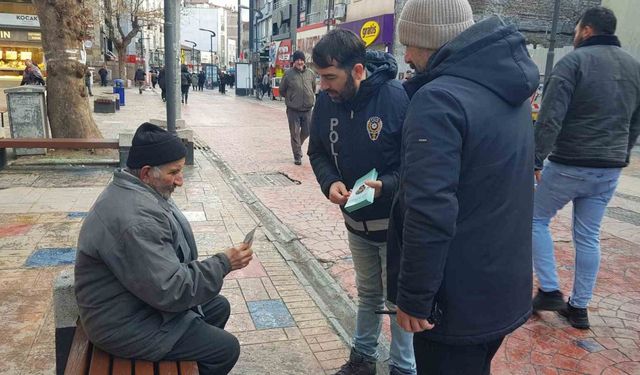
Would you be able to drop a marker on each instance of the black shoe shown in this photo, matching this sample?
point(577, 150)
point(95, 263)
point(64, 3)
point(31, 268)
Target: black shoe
point(549, 301)
point(357, 365)
point(577, 317)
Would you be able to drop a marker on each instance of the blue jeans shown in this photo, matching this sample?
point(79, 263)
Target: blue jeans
point(370, 264)
point(590, 190)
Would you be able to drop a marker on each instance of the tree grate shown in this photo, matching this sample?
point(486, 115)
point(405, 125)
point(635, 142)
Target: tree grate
point(269, 179)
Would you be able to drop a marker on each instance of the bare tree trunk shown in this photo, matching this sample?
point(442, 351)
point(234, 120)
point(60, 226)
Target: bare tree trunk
point(63, 24)
point(122, 63)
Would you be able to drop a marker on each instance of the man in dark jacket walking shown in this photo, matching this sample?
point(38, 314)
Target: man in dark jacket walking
point(459, 259)
point(588, 123)
point(140, 76)
point(357, 126)
point(298, 86)
point(103, 73)
point(162, 84)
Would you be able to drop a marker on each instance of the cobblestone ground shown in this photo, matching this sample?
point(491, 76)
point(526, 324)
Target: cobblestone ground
point(252, 137)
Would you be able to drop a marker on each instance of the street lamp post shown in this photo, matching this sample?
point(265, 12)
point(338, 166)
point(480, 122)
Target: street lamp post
point(552, 42)
point(193, 53)
point(210, 49)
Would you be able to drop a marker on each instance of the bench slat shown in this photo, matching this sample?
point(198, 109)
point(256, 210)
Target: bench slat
point(144, 368)
point(121, 366)
point(167, 368)
point(78, 362)
point(58, 143)
point(189, 368)
point(99, 362)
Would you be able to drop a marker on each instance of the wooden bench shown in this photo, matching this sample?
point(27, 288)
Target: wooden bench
point(57, 143)
point(87, 359)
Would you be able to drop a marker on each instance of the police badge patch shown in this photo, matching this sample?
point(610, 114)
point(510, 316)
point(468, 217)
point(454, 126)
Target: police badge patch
point(374, 127)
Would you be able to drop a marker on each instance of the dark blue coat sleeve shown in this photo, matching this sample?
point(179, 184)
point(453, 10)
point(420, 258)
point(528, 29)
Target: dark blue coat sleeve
point(433, 138)
point(323, 167)
point(391, 176)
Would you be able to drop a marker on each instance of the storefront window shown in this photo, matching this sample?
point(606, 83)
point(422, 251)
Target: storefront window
point(12, 58)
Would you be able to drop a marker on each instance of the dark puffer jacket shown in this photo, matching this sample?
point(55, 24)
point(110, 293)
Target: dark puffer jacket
point(460, 237)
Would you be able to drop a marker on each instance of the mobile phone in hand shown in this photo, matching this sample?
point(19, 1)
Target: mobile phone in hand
point(248, 239)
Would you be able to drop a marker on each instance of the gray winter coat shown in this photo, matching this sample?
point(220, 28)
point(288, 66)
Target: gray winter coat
point(590, 113)
point(137, 279)
point(299, 89)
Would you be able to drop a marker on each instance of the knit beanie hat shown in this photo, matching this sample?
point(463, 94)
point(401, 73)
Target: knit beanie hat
point(152, 145)
point(298, 55)
point(430, 24)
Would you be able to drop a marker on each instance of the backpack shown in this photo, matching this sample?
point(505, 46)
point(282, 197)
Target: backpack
point(185, 79)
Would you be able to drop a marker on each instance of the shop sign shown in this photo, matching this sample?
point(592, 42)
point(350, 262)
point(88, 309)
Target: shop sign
point(369, 32)
point(20, 36)
point(25, 20)
point(373, 31)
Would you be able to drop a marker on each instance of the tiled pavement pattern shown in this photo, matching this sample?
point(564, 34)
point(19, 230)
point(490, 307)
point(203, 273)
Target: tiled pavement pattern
point(253, 137)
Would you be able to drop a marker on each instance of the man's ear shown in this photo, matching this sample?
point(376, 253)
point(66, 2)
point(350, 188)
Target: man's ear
point(145, 173)
point(358, 72)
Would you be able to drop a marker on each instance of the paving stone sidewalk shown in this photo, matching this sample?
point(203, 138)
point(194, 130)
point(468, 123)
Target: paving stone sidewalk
point(274, 315)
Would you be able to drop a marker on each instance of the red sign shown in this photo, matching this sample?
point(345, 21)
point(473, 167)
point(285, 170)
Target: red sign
point(283, 54)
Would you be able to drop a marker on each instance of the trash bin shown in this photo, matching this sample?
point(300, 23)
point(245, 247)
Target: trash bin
point(118, 88)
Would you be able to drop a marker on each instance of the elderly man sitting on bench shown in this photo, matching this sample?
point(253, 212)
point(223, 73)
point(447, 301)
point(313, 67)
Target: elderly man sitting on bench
point(141, 291)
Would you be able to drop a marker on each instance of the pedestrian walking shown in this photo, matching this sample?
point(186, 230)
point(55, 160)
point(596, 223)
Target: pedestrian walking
point(31, 74)
point(202, 78)
point(162, 84)
point(194, 81)
point(185, 83)
point(459, 246)
point(588, 123)
point(357, 126)
point(266, 84)
point(154, 77)
point(298, 87)
point(88, 78)
point(140, 77)
point(222, 88)
point(141, 290)
point(103, 73)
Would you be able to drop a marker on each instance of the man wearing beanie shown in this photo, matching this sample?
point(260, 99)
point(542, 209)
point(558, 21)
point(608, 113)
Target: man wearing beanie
point(298, 86)
point(459, 260)
point(141, 291)
point(356, 127)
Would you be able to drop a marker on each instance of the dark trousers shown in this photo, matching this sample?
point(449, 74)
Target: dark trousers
point(433, 358)
point(185, 93)
point(163, 94)
point(206, 341)
point(103, 81)
point(298, 130)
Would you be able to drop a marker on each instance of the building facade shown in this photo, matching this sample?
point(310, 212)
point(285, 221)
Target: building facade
point(20, 39)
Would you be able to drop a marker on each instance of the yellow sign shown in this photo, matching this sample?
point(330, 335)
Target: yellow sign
point(370, 32)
